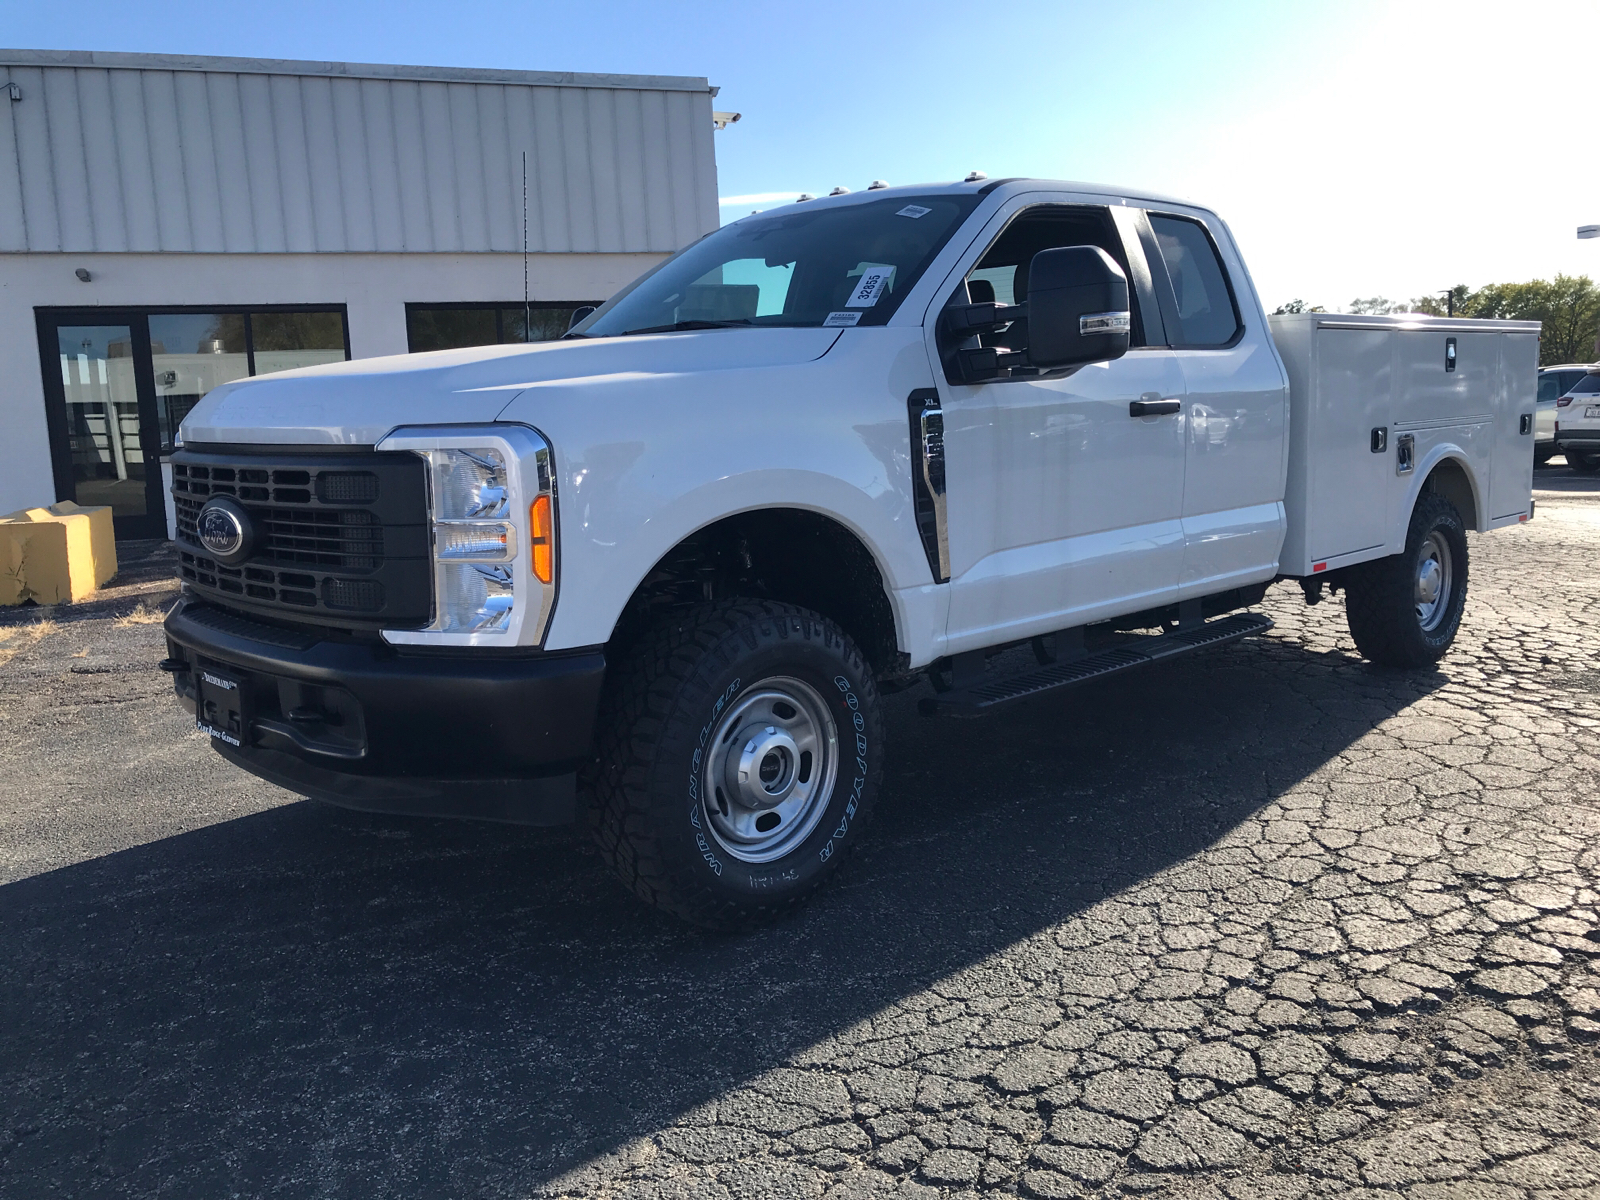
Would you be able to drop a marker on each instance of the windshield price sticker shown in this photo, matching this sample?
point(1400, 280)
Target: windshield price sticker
point(838, 320)
point(876, 278)
point(913, 211)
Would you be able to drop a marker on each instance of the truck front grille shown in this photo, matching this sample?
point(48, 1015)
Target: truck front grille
point(340, 539)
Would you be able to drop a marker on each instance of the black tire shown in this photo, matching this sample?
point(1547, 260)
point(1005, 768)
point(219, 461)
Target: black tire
point(1381, 597)
point(1583, 464)
point(674, 705)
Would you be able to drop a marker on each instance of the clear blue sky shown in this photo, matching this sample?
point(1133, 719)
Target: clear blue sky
point(1355, 147)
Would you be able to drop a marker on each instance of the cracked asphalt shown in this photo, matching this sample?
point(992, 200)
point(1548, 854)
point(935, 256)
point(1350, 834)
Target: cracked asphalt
point(1264, 924)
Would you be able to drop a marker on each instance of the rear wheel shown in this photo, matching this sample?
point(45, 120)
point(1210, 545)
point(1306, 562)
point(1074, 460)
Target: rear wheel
point(740, 749)
point(1404, 610)
point(1583, 464)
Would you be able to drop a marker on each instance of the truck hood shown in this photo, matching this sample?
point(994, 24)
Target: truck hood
point(356, 403)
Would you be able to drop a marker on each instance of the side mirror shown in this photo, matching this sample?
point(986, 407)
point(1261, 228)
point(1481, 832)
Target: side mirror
point(1077, 308)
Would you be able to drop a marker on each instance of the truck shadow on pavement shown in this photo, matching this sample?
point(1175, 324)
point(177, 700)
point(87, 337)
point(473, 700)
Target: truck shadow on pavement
point(311, 1002)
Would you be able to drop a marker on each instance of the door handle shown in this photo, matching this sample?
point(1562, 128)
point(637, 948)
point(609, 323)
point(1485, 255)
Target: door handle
point(1151, 405)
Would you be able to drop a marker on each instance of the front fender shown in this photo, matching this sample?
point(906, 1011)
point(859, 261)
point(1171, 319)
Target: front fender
point(645, 461)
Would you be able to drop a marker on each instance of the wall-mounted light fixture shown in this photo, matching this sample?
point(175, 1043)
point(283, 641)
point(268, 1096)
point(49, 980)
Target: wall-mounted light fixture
point(13, 90)
point(83, 274)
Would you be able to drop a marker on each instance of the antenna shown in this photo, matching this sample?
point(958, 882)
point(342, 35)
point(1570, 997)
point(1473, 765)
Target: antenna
point(526, 311)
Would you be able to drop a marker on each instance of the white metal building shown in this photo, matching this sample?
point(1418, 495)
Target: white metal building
point(168, 223)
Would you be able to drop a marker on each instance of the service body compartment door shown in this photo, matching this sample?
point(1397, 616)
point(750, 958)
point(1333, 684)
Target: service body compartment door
point(1511, 473)
point(1351, 456)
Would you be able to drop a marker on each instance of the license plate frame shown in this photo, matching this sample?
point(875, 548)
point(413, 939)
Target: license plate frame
point(1591, 412)
point(222, 704)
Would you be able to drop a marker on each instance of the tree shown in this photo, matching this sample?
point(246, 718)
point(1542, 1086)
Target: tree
point(1568, 308)
point(1374, 306)
point(1297, 306)
point(1439, 305)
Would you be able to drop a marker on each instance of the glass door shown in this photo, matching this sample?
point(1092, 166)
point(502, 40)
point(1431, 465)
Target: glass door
point(104, 440)
point(119, 382)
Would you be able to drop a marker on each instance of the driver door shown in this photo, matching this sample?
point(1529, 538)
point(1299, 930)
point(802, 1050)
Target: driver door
point(1063, 508)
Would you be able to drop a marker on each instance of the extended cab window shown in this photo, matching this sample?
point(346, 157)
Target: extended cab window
point(1206, 315)
point(1549, 388)
point(835, 263)
point(1001, 275)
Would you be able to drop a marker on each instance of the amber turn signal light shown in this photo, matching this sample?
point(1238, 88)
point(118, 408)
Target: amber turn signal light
point(542, 536)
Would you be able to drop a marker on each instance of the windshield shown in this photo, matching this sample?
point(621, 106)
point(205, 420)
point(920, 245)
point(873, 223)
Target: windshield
point(806, 266)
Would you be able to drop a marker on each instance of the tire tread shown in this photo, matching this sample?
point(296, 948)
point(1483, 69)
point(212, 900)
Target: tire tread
point(633, 718)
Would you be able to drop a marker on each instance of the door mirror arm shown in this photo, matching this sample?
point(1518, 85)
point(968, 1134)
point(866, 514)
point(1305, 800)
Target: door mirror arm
point(966, 362)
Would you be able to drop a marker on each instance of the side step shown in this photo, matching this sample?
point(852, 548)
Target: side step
point(981, 697)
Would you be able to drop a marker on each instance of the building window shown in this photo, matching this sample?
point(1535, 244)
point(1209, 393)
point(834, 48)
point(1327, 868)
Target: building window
point(193, 352)
point(119, 382)
point(452, 326)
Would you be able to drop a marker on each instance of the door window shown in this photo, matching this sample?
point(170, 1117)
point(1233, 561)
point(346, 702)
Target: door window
point(1001, 275)
point(191, 353)
point(1549, 388)
point(1205, 312)
point(102, 402)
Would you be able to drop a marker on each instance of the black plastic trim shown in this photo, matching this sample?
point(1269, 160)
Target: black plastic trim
point(551, 800)
point(468, 715)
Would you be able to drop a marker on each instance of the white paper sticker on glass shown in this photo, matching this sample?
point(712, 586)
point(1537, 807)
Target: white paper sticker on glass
point(838, 320)
point(913, 211)
point(872, 281)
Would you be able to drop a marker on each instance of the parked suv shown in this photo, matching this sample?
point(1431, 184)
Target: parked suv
point(1578, 422)
point(1554, 382)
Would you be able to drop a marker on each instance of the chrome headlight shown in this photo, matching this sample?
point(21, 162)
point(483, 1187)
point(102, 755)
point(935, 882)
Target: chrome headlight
point(491, 502)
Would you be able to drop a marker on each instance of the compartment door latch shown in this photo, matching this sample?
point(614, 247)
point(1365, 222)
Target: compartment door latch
point(1405, 454)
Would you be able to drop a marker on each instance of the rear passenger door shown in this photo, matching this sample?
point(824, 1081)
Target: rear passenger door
point(1236, 434)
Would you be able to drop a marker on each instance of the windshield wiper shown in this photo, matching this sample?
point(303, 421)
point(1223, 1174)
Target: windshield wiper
point(681, 326)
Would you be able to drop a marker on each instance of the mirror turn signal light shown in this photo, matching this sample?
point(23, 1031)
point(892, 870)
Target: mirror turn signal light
point(541, 536)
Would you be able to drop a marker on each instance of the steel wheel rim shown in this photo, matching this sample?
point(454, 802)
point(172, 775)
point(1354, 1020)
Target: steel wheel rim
point(769, 769)
point(1434, 581)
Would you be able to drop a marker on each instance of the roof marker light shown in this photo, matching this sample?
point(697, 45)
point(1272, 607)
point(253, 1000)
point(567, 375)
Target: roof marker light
point(877, 185)
point(974, 177)
point(840, 191)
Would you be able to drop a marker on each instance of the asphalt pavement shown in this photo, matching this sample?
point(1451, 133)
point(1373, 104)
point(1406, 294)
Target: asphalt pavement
point(1265, 923)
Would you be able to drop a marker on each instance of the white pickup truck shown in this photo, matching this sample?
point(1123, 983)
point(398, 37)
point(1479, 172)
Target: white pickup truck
point(655, 576)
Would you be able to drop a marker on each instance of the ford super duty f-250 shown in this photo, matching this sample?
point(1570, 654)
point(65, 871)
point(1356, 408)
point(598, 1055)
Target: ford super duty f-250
point(656, 575)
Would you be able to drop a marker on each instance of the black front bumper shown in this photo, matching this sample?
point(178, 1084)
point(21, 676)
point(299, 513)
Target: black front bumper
point(488, 734)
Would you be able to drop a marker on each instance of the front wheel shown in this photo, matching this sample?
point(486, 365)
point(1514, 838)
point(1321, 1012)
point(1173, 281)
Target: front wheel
point(740, 747)
point(1404, 610)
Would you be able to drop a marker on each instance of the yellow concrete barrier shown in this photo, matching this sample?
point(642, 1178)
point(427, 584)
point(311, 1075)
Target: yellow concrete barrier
point(55, 555)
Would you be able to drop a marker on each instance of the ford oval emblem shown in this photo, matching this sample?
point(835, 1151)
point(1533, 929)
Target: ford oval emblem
point(224, 529)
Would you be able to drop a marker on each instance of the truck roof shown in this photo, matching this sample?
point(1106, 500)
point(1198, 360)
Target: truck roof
point(984, 186)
